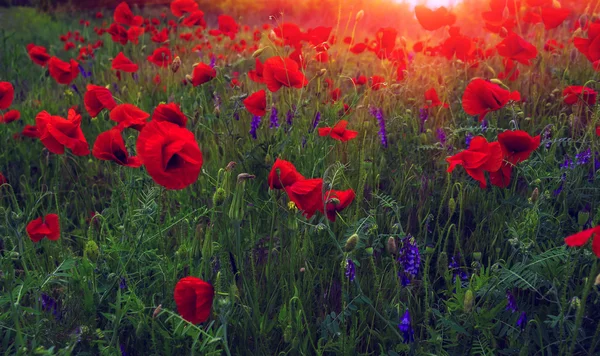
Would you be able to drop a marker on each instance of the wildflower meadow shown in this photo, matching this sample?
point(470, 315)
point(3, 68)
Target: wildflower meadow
point(333, 177)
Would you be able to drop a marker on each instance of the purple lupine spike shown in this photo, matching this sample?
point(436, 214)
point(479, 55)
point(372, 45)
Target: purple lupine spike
point(584, 157)
point(236, 116)
point(350, 270)
point(289, 117)
point(522, 322)
point(274, 119)
point(74, 87)
point(567, 164)
point(316, 121)
point(484, 125)
point(409, 259)
point(468, 139)
point(213, 61)
point(406, 328)
point(378, 114)
point(123, 283)
point(512, 302)
point(254, 126)
point(441, 135)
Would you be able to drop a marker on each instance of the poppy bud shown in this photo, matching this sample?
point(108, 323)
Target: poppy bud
point(583, 19)
point(272, 36)
point(188, 77)
point(219, 196)
point(157, 311)
point(245, 176)
point(583, 217)
point(359, 15)
point(477, 256)
point(468, 301)
point(351, 243)
point(230, 166)
point(391, 245)
point(176, 64)
point(369, 251)
point(322, 72)
point(451, 207)
point(268, 159)
point(576, 302)
point(573, 55)
point(535, 195)
point(91, 251)
point(302, 270)
point(258, 52)
point(597, 282)
point(497, 81)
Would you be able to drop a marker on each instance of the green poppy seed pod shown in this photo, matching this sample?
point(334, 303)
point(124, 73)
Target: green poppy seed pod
point(468, 302)
point(409, 111)
point(583, 217)
point(359, 16)
point(442, 265)
point(268, 159)
point(429, 250)
point(477, 256)
point(451, 207)
point(535, 195)
point(91, 251)
point(369, 251)
point(258, 52)
point(597, 281)
point(351, 243)
point(391, 245)
point(219, 196)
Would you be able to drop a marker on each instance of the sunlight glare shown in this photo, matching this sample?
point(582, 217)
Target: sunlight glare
point(433, 4)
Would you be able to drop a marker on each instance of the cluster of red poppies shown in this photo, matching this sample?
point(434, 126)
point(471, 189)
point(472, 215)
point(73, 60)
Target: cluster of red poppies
point(7, 95)
point(308, 194)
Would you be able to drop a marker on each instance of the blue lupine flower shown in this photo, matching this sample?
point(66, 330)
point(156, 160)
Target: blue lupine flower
point(455, 267)
point(584, 157)
point(522, 322)
point(406, 328)
point(409, 259)
point(378, 114)
point(512, 303)
point(316, 121)
point(441, 135)
point(350, 270)
point(468, 139)
point(274, 118)
point(254, 126)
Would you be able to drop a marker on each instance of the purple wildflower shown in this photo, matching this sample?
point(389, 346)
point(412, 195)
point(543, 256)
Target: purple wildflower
point(378, 114)
point(522, 322)
point(547, 136)
point(274, 118)
point(213, 61)
point(236, 116)
point(562, 184)
point(512, 303)
point(123, 350)
point(584, 157)
point(123, 283)
point(254, 126)
point(441, 135)
point(49, 304)
point(135, 76)
point(350, 270)
point(85, 74)
point(74, 87)
point(316, 121)
point(407, 331)
point(484, 125)
point(567, 164)
point(289, 118)
point(468, 139)
point(455, 267)
point(409, 259)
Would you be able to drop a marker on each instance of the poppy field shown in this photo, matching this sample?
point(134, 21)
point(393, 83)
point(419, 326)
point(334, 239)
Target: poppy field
point(317, 178)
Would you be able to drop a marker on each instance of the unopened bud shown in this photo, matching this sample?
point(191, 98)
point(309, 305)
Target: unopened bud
point(583, 217)
point(244, 177)
point(157, 311)
point(497, 81)
point(258, 52)
point(468, 302)
point(176, 64)
point(359, 15)
point(535, 195)
point(322, 72)
point(597, 282)
point(391, 245)
point(351, 243)
point(451, 207)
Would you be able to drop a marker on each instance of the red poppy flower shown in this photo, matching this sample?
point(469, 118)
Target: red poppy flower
point(553, 17)
point(290, 33)
point(283, 174)
point(339, 132)
point(481, 97)
point(129, 115)
point(110, 146)
point(171, 113)
point(38, 54)
point(553, 46)
point(501, 178)
point(56, 133)
point(256, 75)
point(278, 72)
point(202, 73)
point(318, 36)
point(228, 26)
point(432, 20)
point(160, 37)
point(358, 48)
point(579, 94)
point(196, 18)
point(194, 299)
point(118, 34)
point(170, 154)
point(581, 238)
point(30, 131)
point(510, 70)
point(122, 63)
point(3, 179)
point(10, 116)
point(517, 145)
point(590, 47)
point(336, 201)
point(532, 17)
point(124, 16)
point(385, 42)
point(134, 33)
point(359, 80)
point(47, 227)
point(307, 194)
point(481, 156)
point(256, 103)
point(432, 96)
point(63, 72)
point(7, 95)
point(161, 57)
point(98, 98)
point(516, 48)
point(180, 7)
point(377, 82)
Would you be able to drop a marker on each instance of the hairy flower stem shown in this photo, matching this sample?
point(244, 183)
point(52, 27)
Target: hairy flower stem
point(581, 310)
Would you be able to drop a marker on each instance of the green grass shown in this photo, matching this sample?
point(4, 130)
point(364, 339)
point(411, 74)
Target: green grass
point(279, 278)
